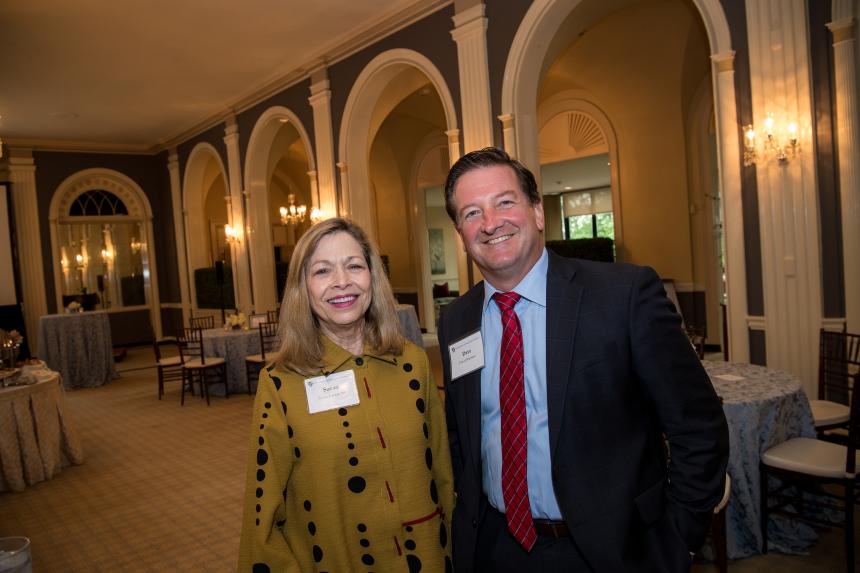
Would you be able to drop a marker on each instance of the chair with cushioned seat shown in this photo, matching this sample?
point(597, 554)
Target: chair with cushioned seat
point(169, 368)
point(803, 462)
point(268, 346)
point(838, 362)
point(197, 367)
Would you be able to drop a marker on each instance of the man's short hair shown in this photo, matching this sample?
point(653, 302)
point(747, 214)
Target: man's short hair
point(488, 157)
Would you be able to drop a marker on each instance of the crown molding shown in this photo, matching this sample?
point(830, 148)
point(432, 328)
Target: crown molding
point(80, 146)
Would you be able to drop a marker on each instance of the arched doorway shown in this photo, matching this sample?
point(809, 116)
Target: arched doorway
point(397, 140)
point(641, 63)
point(206, 204)
point(280, 172)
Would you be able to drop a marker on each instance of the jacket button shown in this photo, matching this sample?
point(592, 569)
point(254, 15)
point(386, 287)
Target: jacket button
point(475, 523)
point(359, 361)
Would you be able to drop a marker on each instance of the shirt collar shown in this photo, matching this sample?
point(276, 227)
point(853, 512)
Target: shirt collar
point(334, 356)
point(531, 287)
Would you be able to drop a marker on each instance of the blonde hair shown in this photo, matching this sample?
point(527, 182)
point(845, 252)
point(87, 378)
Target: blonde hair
point(299, 330)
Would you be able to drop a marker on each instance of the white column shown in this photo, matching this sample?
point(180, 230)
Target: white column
point(236, 213)
point(728, 157)
point(343, 207)
point(315, 191)
point(470, 33)
point(848, 147)
point(22, 176)
point(788, 204)
point(320, 101)
point(179, 233)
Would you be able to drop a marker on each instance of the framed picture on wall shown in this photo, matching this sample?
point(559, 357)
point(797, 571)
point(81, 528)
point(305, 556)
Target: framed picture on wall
point(437, 251)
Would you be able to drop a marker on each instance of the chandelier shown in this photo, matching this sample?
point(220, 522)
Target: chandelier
point(294, 214)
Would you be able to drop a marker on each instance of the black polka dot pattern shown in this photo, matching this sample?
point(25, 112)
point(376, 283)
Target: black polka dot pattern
point(415, 384)
point(367, 559)
point(307, 505)
point(297, 451)
point(364, 542)
point(289, 431)
point(434, 494)
point(449, 566)
point(312, 528)
point(261, 475)
point(356, 484)
point(267, 405)
point(359, 361)
point(353, 461)
point(443, 535)
point(259, 492)
point(407, 367)
point(261, 441)
point(426, 431)
point(419, 403)
point(410, 545)
point(342, 411)
point(414, 563)
point(428, 457)
point(260, 568)
point(318, 553)
point(277, 382)
point(361, 527)
point(284, 407)
point(262, 457)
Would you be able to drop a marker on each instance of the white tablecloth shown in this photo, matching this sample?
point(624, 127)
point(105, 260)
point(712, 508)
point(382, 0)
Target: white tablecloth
point(37, 437)
point(79, 347)
point(764, 408)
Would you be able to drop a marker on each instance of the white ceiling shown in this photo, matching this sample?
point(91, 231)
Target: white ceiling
point(96, 74)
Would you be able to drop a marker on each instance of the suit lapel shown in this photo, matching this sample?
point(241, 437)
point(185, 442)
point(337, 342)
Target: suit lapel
point(563, 297)
point(469, 385)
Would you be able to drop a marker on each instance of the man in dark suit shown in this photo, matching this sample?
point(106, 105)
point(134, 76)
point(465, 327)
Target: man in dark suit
point(565, 381)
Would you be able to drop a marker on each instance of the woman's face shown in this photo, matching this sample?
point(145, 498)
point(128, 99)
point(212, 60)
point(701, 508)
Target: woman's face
point(338, 282)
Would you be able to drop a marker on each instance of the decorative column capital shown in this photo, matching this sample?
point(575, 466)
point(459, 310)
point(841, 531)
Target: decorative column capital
point(725, 61)
point(842, 30)
point(507, 120)
point(469, 22)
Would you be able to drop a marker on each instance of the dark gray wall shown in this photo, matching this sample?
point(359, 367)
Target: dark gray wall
point(294, 98)
point(214, 136)
point(830, 217)
point(430, 36)
point(758, 348)
point(148, 171)
point(504, 17)
point(736, 17)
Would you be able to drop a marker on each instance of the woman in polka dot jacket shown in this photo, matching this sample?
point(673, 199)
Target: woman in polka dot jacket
point(363, 483)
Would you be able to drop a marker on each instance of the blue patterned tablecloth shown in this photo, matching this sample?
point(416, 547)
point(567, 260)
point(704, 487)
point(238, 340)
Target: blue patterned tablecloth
point(409, 324)
point(79, 347)
point(233, 346)
point(764, 408)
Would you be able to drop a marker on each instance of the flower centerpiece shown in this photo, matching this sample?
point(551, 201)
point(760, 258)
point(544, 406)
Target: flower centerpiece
point(236, 321)
point(10, 347)
point(74, 306)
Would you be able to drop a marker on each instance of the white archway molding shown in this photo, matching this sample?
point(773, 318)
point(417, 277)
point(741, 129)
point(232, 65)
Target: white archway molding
point(257, 226)
point(139, 209)
point(194, 187)
point(576, 100)
point(524, 69)
point(355, 127)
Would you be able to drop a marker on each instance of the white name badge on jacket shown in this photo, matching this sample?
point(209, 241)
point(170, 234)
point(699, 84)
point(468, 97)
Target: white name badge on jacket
point(467, 354)
point(333, 391)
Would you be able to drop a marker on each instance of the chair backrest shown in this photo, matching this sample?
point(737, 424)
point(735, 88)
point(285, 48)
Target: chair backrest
point(203, 322)
point(273, 315)
point(268, 338)
point(191, 345)
point(158, 343)
point(838, 362)
point(853, 430)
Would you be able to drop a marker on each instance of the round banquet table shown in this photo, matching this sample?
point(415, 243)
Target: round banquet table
point(763, 408)
point(37, 437)
point(78, 346)
point(233, 346)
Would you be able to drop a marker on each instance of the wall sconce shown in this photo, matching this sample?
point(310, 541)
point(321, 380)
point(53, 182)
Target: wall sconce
point(780, 142)
point(107, 255)
point(135, 245)
point(231, 234)
point(79, 259)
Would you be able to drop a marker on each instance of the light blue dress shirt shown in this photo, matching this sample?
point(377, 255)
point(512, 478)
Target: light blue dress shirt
point(531, 310)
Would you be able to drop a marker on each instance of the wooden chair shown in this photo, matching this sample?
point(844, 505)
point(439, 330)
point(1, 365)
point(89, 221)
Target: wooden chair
point(838, 361)
point(197, 367)
point(273, 315)
point(803, 465)
point(169, 368)
point(268, 346)
point(202, 322)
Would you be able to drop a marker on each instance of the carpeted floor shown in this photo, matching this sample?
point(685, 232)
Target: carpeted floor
point(161, 487)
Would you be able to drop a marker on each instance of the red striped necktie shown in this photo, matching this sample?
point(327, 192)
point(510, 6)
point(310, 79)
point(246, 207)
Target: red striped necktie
point(512, 399)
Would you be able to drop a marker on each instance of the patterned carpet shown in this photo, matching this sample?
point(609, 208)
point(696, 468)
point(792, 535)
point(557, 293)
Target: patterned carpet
point(161, 487)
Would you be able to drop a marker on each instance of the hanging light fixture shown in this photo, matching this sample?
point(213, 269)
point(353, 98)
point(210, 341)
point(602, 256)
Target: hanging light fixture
point(293, 214)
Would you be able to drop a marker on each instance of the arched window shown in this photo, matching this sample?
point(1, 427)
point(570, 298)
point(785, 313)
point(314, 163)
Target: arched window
point(101, 236)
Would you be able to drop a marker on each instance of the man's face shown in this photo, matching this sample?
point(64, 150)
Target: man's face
point(500, 229)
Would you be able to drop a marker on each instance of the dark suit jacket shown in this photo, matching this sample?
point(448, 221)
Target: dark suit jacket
point(620, 375)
